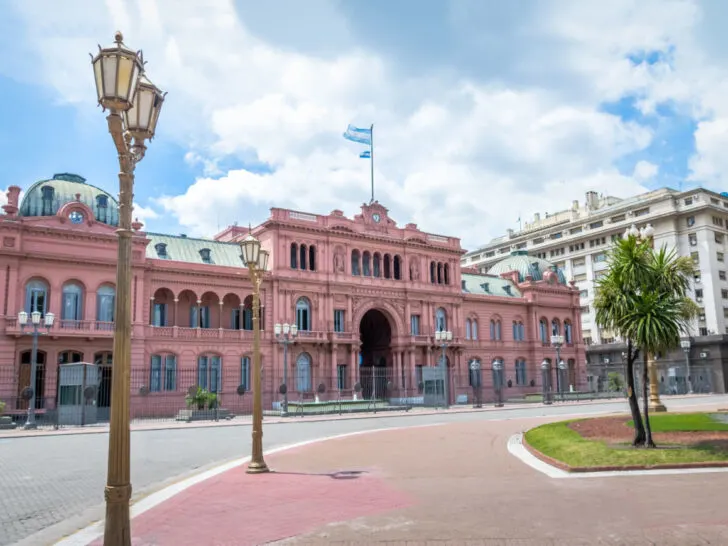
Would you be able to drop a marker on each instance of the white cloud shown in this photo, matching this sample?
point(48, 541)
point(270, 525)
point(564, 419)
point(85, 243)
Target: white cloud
point(143, 213)
point(464, 156)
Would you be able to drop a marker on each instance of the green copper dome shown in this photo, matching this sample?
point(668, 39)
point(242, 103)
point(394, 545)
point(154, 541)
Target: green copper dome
point(526, 265)
point(45, 197)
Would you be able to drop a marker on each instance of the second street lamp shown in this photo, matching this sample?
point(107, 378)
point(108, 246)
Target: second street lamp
point(134, 104)
point(31, 395)
point(285, 335)
point(443, 339)
point(256, 260)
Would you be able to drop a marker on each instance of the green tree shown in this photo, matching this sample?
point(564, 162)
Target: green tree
point(643, 299)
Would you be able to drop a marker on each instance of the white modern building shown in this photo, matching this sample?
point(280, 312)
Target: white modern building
point(695, 222)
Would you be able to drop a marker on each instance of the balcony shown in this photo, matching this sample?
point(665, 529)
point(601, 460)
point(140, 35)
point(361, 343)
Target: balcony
point(89, 329)
point(180, 332)
point(343, 337)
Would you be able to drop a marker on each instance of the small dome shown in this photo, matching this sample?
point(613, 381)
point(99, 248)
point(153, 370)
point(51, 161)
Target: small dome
point(45, 197)
point(526, 265)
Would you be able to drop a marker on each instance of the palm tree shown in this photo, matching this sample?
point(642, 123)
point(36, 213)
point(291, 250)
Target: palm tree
point(643, 298)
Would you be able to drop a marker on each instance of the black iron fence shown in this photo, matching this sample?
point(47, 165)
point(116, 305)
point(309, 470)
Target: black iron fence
point(81, 394)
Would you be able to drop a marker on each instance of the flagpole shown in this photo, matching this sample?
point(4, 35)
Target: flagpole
point(371, 158)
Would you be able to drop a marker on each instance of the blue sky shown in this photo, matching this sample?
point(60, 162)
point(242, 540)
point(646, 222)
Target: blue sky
point(483, 110)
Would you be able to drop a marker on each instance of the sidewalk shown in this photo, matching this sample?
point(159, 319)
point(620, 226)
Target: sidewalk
point(271, 420)
point(454, 483)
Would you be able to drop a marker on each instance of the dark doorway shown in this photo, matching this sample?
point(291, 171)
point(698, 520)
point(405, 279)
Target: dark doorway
point(376, 339)
point(103, 401)
point(24, 372)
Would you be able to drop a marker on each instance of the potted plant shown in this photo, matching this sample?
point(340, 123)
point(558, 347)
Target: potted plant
point(197, 400)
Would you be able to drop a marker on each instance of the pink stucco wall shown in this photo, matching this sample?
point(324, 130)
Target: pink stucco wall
point(56, 251)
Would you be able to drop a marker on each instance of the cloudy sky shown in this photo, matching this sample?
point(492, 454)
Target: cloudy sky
point(484, 110)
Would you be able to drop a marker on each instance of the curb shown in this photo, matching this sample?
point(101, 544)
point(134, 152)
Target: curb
point(327, 418)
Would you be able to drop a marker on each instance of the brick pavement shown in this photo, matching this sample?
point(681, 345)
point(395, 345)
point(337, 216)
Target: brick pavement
point(446, 484)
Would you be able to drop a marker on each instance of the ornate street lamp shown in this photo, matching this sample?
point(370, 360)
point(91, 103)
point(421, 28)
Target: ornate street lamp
point(557, 342)
point(498, 382)
point(256, 260)
point(685, 344)
point(285, 335)
point(443, 339)
point(29, 394)
point(546, 381)
point(134, 104)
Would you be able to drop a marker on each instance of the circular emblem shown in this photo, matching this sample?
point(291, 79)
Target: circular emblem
point(75, 217)
point(376, 217)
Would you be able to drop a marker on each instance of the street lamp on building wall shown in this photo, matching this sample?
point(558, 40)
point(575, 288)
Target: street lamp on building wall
point(134, 104)
point(256, 260)
point(557, 342)
point(443, 339)
point(685, 344)
point(285, 335)
point(29, 394)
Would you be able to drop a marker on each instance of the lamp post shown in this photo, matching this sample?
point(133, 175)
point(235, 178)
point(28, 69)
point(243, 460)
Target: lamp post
point(443, 339)
point(557, 342)
point(35, 321)
point(285, 335)
point(134, 104)
point(256, 260)
point(546, 381)
point(685, 344)
point(498, 382)
point(647, 234)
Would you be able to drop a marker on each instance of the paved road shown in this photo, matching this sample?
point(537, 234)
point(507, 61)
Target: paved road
point(53, 485)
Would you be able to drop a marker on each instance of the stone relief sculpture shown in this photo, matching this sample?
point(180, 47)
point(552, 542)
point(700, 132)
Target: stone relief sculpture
point(339, 261)
point(414, 270)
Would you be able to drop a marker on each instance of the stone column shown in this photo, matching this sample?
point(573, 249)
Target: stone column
point(220, 315)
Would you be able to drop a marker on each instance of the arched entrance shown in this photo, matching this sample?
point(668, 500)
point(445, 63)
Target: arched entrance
point(375, 358)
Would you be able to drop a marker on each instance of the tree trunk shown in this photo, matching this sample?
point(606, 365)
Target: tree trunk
point(634, 407)
point(646, 401)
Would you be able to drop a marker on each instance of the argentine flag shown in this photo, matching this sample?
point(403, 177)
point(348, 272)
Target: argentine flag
point(357, 134)
point(366, 154)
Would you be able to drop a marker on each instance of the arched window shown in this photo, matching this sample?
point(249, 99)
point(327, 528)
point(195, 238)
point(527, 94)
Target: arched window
point(467, 328)
point(543, 330)
point(366, 264)
point(302, 259)
point(440, 320)
point(376, 263)
point(355, 263)
point(397, 268)
point(102, 209)
point(568, 334)
point(555, 328)
point(387, 266)
point(312, 258)
point(294, 256)
point(303, 373)
point(522, 331)
point(515, 331)
point(163, 373)
point(303, 314)
point(495, 330)
point(105, 297)
point(474, 329)
point(36, 297)
point(71, 306)
point(209, 376)
point(70, 357)
point(47, 198)
point(439, 273)
point(248, 313)
point(433, 272)
point(446, 273)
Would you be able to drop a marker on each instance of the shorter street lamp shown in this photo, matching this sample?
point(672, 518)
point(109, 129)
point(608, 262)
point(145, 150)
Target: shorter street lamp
point(285, 335)
point(498, 382)
point(685, 344)
point(557, 342)
point(546, 381)
point(562, 378)
point(29, 393)
point(256, 260)
point(443, 339)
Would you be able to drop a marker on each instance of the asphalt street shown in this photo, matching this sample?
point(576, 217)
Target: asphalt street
point(51, 486)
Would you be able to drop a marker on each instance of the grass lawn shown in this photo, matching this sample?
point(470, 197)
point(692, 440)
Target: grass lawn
point(560, 442)
point(683, 422)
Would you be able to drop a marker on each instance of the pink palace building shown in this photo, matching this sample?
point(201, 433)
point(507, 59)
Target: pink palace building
point(366, 294)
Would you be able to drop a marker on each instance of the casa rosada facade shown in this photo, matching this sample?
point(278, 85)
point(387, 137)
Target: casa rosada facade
point(367, 297)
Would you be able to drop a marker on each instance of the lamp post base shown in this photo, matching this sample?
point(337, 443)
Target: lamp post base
point(657, 407)
point(257, 468)
point(30, 426)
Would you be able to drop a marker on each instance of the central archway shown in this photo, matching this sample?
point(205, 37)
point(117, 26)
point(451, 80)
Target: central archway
point(375, 357)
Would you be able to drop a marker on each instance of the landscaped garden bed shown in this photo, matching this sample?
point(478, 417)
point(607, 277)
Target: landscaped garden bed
point(690, 440)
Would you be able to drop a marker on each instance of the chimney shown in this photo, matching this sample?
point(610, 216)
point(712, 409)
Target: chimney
point(536, 217)
point(592, 200)
point(11, 209)
point(575, 204)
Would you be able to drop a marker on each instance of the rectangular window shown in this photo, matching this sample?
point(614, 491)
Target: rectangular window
point(415, 325)
point(721, 275)
point(717, 221)
point(584, 294)
point(719, 238)
point(418, 377)
point(688, 201)
point(580, 277)
point(235, 322)
point(618, 218)
point(724, 294)
point(245, 373)
point(160, 314)
point(719, 256)
point(557, 235)
point(690, 221)
point(170, 373)
point(520, 372)
point(575, 230)
point(601, 257)
point(578, 263)
point(699, 293)
point(341, 377)
point(596, 225)
point(338, 320)
point(642, 212)
point(692, 239)
point(695, 257)
point(155, 379)
point(199, 317)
